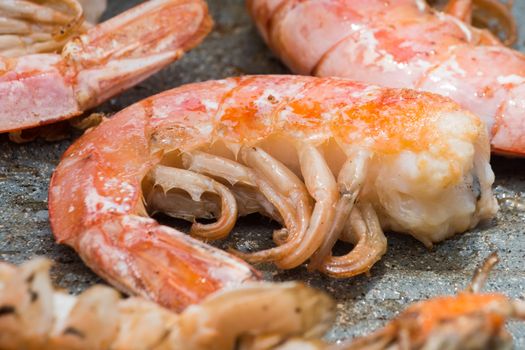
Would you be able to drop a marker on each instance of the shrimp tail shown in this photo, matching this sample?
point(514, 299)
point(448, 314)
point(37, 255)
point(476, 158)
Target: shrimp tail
point(142, 257)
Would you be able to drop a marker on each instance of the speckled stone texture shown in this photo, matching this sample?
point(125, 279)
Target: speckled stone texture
point(408, 272)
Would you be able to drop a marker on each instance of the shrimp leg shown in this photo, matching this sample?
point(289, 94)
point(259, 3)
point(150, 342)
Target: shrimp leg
point(463, 9)
point(196, 185)
point(350, 180)
point(364, 231)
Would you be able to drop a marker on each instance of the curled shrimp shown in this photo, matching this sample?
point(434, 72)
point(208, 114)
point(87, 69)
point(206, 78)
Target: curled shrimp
point(34, 316)
point(109, 58)
point(406, 44)
point(329, 158)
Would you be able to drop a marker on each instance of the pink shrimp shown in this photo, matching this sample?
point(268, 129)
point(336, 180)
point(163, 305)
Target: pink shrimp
point(404, 43)
point(111, 57)
point(328, 158)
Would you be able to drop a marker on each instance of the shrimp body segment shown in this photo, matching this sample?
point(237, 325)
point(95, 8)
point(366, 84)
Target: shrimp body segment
point(403, 43)
point(111, 57)
point(329, 158)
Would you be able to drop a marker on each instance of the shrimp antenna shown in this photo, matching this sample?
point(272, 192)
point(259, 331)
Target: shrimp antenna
point(482, 273)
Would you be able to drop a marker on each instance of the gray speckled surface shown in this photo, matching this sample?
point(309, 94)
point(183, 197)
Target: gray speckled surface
point(408, 272)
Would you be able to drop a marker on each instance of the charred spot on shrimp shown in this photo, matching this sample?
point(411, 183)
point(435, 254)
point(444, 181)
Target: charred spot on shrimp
point(272, 99)
point(74, 332)
point(30, 278)
point(33, 295)
point(7, 310)
point(475, 187)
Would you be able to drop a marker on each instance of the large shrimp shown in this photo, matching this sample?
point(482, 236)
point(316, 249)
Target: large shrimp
point(404, 43)
point(43, 88)
point(329, 158)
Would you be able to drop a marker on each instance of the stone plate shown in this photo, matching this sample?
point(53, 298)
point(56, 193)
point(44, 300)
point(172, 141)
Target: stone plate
point(407, 273)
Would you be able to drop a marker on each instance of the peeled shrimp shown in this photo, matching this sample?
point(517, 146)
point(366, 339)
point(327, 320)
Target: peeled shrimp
point(330, 159)
point(111, 57)
point(34, 316)
point(405, 43)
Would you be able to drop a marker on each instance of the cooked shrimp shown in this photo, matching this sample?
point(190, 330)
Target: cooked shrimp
point(34, 316)
point(44, 88)
point(404, 43)
point(470, 320)
point(330, 159)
